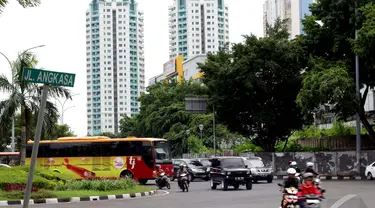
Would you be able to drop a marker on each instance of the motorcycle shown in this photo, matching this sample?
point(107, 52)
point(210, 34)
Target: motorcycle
point(290, 198)
point(312, 201)
point(164, 181)
point(317, 182)
point(184, 182)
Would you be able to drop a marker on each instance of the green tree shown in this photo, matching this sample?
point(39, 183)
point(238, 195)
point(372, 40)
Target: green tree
point(128, 126)
point(60, 131)
point(330, 76)
point(254, 86)
point(109, 134)
point(23, 3)
point(26, 97)
point(163, 115)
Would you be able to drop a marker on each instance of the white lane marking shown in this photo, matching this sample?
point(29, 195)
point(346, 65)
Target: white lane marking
point(342, 200)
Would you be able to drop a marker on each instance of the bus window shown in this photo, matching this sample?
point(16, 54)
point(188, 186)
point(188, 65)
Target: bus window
point(162, 153)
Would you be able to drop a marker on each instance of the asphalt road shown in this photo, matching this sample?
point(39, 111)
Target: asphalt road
point(263, 195)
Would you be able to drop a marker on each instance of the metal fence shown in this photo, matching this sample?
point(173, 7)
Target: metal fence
point(326, 163)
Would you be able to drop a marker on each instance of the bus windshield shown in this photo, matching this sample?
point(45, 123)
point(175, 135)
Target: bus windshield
point(162, 153)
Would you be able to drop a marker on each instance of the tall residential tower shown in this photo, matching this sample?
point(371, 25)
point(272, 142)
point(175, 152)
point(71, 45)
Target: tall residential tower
point(197, 27)
point(115, 63)
point(293, 10)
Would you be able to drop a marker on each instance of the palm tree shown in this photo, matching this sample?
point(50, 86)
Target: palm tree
point(23, 3)
point(26, 97)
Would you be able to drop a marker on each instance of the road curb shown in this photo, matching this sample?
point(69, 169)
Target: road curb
point(329, 178)
point(78, 199)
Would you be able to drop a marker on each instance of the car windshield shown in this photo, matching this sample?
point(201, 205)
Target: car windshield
point(256, 163)
point(206, 162)
point(195, 163)
point(162, 152)
point(232, 163)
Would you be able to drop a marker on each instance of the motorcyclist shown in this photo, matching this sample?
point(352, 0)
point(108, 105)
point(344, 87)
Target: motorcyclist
point(180, 171)
point(293, 164)
point(157, 173)
point(291, 181)
point(310, 169)
point(308, 187)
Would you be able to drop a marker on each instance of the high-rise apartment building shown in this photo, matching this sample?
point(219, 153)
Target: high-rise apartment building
point(197, 27)
point(293, 10)
point(115, 63)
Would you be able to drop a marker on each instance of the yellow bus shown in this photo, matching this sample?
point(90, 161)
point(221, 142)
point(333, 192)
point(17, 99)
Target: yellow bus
point(103, 157)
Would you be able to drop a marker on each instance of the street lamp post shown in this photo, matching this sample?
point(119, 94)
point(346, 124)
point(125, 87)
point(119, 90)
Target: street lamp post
point(12, 146)
point(358, 120)
point(187, 140)
point(63, 110)
point(201, 130)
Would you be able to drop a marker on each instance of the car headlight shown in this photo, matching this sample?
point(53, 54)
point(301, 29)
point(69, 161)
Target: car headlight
point(194, 170)
point(228, 173)
point(248, 172)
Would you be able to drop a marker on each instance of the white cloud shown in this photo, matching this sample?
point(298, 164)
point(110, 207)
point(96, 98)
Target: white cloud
point(60, 25)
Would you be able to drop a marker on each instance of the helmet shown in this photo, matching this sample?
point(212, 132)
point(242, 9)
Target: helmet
point(293, 163)
point(308, 175)
point(291, 171)
point(157, 166)
point(309, 164)
point(182, 166)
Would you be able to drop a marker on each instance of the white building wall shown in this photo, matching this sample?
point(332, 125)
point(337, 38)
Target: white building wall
point(206, 27)
point(114, 71)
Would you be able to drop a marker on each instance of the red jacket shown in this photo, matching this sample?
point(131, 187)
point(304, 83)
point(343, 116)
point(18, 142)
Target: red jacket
point(308, 189)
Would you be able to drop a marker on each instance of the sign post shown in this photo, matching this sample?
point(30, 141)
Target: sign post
point(47, 78)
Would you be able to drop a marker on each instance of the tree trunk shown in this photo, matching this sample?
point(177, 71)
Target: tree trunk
point(23, 146)
point(286, 143)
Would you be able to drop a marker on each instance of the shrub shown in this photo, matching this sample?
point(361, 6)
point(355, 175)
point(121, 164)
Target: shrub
point(97, 185)
point(48, 174)
point(18, 187)
point(17, 176)
point(41, 194)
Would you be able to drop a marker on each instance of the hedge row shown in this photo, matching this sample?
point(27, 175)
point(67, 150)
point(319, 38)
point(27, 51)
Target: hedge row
point(14, 179)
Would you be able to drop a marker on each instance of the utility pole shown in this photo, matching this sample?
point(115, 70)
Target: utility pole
point(214, 130)
point(358, 120)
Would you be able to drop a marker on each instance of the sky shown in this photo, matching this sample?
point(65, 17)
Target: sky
point(60, 25)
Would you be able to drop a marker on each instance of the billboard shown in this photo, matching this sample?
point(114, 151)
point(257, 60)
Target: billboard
point(169, 67)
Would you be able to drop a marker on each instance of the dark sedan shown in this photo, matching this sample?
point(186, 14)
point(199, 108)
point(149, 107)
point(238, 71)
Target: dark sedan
point(195, 168)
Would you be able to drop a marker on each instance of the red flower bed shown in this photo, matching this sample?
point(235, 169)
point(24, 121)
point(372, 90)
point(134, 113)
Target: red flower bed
point(18, 187)
point(102, 178)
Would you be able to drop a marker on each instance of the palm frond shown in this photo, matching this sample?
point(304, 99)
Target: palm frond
point(5, 85)
point(9, 106)
point(24, 60)
point(51, 113)
point(57, 92)
point(29, 3)
point(3, 3)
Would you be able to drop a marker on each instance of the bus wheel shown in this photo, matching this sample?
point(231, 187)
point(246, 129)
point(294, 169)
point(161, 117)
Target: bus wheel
point(126, 174)
point(142, 181)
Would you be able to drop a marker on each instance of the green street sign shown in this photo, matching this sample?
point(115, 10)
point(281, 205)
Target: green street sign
point(48, 77)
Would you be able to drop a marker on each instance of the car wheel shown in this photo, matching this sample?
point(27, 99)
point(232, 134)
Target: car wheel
point(269, 180)
point(249, 185)
point(224, 185)
point(369, 176)
point(213, 185)
point(143, 181)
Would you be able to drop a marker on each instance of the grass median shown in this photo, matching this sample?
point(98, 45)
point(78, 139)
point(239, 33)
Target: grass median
point(54, 185)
